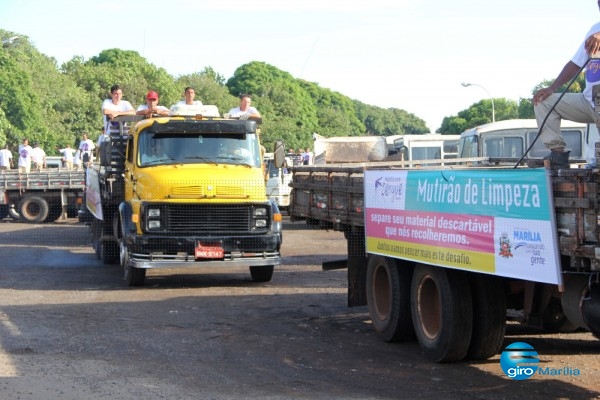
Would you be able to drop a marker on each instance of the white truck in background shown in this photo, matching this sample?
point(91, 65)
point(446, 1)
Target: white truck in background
point(278, 181)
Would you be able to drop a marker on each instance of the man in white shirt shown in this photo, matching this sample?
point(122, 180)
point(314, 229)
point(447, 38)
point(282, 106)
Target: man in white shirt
point(5, 158)
point(67, 155)
point(86, 146)
point(244, 111)
point(189, 93)
point(25, 157)
point(579, 107)
point(38, 156)
point(115, 106)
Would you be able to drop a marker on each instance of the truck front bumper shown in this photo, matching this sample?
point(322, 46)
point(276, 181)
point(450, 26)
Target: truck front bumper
point(179, 252)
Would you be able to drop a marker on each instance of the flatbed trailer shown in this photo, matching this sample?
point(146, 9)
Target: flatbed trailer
point(41, 195)
point(539, 269)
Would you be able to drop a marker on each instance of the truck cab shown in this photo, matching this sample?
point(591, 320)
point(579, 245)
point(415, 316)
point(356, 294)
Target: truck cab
point(188, 192)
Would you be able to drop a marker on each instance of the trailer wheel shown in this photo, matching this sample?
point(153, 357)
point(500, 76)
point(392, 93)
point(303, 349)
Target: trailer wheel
point(388, 298)
point(263, 273)
point(489, 316)
point(442, 312)
point(33, 209)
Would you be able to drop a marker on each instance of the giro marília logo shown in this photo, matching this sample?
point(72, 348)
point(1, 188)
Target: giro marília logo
point(519, 361)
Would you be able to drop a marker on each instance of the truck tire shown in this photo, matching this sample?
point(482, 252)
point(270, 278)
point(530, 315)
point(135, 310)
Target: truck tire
point(33, 209)
point(442, 312)
point(3, 211)
point(109, 252)
point(54, 212)
point(388, 298)
point(133, 276)
point(262, 273)
point(489, 316)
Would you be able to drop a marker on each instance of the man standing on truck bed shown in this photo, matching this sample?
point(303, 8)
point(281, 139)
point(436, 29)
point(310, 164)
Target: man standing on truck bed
point(578, 107)
point(244, 111)
point(115, 106)
point(6, 158)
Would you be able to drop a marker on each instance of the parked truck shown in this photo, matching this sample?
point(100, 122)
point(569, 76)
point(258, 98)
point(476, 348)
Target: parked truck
point(41, 195)
point(448, 254)
point(183, 191)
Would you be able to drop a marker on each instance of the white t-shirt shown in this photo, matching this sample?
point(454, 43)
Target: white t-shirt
point(67, 153)
point(145, 107)
point(38, 155)
point(77, 158)
point(86, 146)
point(5, 157)
point(107, 104)
point(104, 137)
point(236, 112)
point(592, 70)
point(194, 103)
point(24, 155)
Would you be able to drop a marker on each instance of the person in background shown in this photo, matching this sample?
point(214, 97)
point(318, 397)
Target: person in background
point(579, 107)
point(244, 111)
point(67, 154)
point(86, 147)
point(308, 157)
point(6, 159)
point(115, 106)
point(104, 137)
point(25, 157)
point(151, 107)
point(77, 160)
point(38, 156)
point(189, 93)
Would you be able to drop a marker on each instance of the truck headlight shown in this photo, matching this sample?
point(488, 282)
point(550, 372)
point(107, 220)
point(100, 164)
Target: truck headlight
point(260, 223)
point(154, 212)
point(260, 212)
point(154, 224)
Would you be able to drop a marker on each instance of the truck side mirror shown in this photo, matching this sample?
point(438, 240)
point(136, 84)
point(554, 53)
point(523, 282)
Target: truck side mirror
point(279, 154)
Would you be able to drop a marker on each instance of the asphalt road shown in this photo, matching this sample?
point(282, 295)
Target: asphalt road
point(70, 328)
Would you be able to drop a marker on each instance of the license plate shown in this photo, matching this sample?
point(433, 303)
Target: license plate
point(209, 251)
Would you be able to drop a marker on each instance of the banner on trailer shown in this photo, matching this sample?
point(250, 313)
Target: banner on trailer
point(92, 193)
point(495, 221)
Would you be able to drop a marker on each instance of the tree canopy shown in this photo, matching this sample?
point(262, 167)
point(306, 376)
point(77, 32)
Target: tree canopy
point(55, 105)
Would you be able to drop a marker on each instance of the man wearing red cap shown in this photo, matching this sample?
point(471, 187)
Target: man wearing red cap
point(151, 107)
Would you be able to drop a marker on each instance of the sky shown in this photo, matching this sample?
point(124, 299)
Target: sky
point(406, 54)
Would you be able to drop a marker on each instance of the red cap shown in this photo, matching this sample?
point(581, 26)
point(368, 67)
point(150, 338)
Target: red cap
point(152, 95)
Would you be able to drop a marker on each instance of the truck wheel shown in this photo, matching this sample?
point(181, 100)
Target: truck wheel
point(3, 211)
point(54, 212)
point(442, 312)
point(388, 298)
point(489, 316)
point(135, 276)
point(109, 252)
point(263, 273)
point(33, 209)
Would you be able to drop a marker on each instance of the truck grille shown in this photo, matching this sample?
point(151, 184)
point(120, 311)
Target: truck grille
point(194, 218)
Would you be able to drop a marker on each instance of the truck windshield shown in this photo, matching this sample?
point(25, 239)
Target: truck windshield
point(192, 148)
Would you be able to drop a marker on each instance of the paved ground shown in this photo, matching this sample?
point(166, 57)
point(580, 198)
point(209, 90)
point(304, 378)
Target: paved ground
point(71, 329)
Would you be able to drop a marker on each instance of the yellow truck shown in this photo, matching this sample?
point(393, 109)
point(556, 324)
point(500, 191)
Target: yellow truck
point(183, 191)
